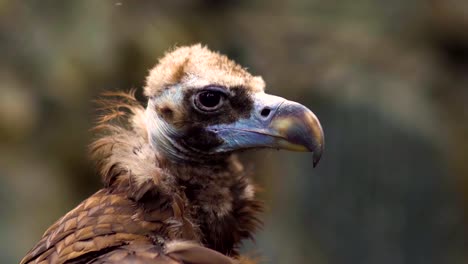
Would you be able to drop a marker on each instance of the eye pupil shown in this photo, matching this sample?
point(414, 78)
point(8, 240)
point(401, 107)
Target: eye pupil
point(209, 99)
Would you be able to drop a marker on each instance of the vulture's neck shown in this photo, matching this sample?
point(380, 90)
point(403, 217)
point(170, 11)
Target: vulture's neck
point(216, 201)
point(211, 190)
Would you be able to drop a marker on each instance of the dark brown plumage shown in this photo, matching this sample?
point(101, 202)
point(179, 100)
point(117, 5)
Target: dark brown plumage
point(174, 192)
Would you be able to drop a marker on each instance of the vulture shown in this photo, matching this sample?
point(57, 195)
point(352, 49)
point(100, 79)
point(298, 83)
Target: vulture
point(174, 190)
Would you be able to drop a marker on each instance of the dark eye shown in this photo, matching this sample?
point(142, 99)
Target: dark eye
point(209, 101)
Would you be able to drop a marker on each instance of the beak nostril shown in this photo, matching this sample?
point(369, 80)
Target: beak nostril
point(265, 112)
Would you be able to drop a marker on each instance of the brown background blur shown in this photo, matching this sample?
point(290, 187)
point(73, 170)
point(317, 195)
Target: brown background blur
point(388, 80)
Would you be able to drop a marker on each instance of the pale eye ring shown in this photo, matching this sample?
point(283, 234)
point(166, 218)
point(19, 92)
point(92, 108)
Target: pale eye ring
point(209, 100)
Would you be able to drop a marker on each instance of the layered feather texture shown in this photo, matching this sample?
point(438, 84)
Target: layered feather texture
point(150, 209)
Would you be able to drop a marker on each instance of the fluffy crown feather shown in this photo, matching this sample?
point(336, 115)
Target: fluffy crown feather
point(200, 65)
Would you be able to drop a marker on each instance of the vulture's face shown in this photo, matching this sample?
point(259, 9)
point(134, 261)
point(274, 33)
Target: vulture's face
point(203, 106)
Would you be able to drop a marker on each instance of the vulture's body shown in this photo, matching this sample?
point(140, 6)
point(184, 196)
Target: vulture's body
point(174, 190)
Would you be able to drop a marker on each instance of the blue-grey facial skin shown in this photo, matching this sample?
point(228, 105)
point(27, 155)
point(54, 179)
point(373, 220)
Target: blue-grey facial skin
point(274, 123)
point(253, 131)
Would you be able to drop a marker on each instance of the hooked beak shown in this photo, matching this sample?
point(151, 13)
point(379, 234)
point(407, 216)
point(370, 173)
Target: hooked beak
point(274, 123)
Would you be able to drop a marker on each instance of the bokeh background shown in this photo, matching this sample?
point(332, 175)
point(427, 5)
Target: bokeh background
point(388, 80)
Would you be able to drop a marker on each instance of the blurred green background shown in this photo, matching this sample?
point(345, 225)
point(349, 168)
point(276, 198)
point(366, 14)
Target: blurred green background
point(388, 80)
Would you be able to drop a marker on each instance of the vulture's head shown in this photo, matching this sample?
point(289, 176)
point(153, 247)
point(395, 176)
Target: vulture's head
point(203, 106)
